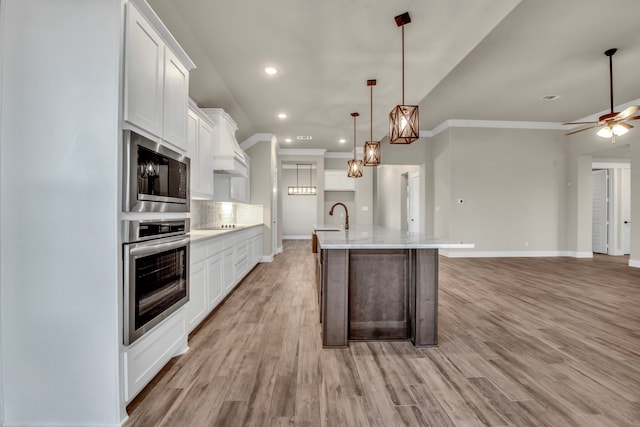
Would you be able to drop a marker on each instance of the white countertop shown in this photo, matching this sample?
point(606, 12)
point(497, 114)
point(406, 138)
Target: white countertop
point(196, 235)
point(374, 237)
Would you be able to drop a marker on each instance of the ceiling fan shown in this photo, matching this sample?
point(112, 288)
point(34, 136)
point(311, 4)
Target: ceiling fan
point(611, 124)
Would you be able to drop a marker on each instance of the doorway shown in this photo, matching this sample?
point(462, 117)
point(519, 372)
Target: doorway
point(410, 202)
point(611, 208)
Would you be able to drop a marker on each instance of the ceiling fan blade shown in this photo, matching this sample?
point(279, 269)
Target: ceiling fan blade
point(580, 130)
point(632, 118)
point(580, 123)
point(628, 112)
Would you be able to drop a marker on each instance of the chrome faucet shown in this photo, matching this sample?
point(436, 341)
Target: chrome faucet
point(346, 211)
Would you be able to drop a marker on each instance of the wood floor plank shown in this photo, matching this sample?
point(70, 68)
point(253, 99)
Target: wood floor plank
point(522, 342)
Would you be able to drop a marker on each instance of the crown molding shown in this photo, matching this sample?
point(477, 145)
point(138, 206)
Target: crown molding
point(492, 124)
point(259, 137)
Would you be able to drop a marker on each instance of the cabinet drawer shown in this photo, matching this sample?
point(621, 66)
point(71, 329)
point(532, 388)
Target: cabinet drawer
point(215, 246)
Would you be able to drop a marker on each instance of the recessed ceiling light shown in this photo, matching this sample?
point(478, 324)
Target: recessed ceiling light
point(550, 97)
point(287, 140)
point(271, 70)
point(303, 137)
point(342, 141)
point(282, 115)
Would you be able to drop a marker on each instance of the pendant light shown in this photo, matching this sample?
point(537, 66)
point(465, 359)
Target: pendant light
point(302, 190)
point(371, 147)
point(403, 119)
point(354, 166)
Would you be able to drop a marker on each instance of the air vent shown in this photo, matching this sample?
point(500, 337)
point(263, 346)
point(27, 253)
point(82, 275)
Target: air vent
point(303, 137)
point(550, 97)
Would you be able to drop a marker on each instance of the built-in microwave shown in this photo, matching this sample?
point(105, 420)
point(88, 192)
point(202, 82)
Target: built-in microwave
point(155, 179)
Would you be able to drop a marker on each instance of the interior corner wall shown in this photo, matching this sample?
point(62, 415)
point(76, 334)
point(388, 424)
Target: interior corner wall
point(60, 323)
point(441, 161)
point(261, 191)
point(507, 190)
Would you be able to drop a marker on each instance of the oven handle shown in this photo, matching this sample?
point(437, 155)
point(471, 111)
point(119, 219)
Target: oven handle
point(149, 249)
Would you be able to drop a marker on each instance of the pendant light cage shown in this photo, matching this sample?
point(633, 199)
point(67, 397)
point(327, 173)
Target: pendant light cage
point(403, 119)
point(371, 147)
point(354, 166)
point(303, 190)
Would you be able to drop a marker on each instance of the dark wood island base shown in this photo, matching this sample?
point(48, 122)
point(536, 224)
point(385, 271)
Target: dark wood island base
point(376, 283)
point(378, 294)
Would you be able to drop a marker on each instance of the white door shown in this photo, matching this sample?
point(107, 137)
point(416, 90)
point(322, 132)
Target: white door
point(625, 211)
point(274, 206)
point(414, 203)
point(599, 211)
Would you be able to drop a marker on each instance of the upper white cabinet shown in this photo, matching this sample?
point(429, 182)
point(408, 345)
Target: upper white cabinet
point(143, 77)
point(176, 100)
point(337, 180)
point(200, 150)
point(156, 77)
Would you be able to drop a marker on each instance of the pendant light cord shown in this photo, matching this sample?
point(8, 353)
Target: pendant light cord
point(402, 64)
point(371, 114)
point(354, 137)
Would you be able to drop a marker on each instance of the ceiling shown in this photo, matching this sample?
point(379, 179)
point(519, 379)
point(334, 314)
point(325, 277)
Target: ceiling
point(464, 59)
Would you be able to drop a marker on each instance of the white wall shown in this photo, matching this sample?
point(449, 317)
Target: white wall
point(298, 212)
point(59, 154)
point(512, 183)
point(389, 200)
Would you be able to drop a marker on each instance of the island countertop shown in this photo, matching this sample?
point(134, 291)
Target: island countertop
point(376, 237)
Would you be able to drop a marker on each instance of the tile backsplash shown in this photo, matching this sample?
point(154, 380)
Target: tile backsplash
point(207, 214)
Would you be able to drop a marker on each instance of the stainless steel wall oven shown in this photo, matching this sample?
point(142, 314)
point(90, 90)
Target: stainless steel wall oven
point(156, 273)
point(155, 179)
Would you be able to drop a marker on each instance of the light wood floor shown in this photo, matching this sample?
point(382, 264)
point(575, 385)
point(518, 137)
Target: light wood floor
point(523, 342)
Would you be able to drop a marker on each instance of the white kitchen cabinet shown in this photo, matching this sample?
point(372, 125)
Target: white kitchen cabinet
point(143, 76)
point(233, 188)
point(156, 80)
point(197, 305)
point(337, 180)
point(200, 151)
point(217, 265)
point(215, 291)
point(228, 269)
point(176, 100)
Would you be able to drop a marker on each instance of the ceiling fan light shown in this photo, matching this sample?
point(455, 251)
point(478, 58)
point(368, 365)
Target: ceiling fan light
point(403, 124)
point(605, 132)
point(354, 168)
point(620, 129)
point(371, 153)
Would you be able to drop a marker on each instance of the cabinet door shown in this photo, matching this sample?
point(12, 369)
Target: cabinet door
point(197, 305)
point(176, 100)
point(205, 159)
point(193, 125)
point(215, 278)
point(337, 180)
point(228, 270)
point(143, 76)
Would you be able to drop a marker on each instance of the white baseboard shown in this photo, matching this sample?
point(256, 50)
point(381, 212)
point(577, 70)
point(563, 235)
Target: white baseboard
point(279, 250)
point(297, 237)
point(634, 263)
point(267, 258)
point(513, 254)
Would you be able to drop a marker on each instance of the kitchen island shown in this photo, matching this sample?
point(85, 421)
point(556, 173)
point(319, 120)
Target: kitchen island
point(376, 283)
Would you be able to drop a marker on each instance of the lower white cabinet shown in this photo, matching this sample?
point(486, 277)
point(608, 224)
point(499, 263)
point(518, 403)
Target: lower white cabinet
point(144, 358)
point(215, 269)
point(229, 274)
point(217, 265)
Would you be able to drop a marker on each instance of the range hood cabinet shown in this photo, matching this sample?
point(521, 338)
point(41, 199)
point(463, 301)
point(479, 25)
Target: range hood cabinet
point(228, 157)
